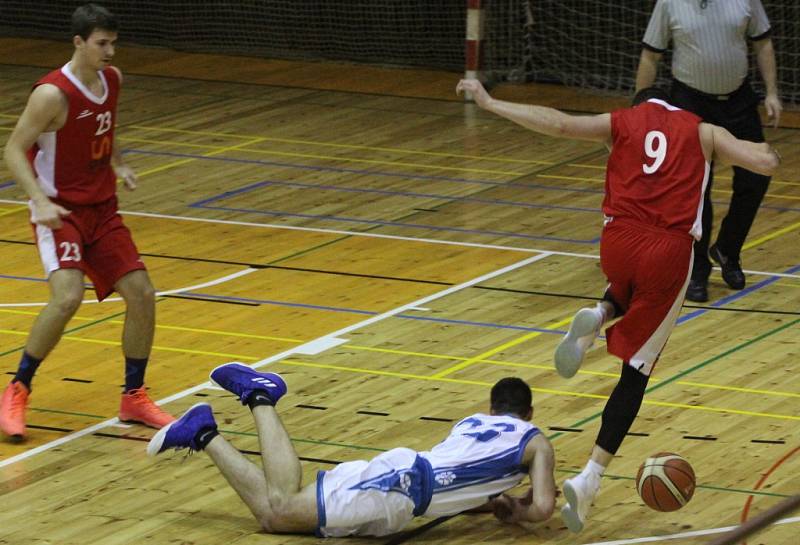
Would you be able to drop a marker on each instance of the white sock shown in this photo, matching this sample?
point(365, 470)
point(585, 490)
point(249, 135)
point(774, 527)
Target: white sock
point(601, 311)
point(593, 471)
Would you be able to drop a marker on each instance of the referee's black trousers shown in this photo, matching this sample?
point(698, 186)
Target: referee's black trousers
point(738, 114)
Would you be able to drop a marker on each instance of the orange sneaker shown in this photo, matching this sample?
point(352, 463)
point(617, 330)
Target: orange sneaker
point(136, 406)
point(12, 409)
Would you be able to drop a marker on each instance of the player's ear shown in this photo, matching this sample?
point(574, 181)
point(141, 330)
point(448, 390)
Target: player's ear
point(77, 41)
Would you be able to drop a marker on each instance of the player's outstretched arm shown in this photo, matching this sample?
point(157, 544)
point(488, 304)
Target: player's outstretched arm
point(541, 118)
point(757, 157)
point(538, 504)
point(45, 105)
point(543, 483)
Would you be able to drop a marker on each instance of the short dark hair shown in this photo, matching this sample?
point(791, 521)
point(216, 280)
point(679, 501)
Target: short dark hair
point(90, 17)
point(651, 92)
point(511, 395)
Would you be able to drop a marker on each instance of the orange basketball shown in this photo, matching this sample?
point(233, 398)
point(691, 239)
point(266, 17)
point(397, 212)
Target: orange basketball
point(665, 481)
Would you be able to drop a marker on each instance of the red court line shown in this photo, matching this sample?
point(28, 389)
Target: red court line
point(764, 477)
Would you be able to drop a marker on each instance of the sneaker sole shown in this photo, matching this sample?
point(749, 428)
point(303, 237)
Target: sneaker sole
point(568, 356)
point(218, 385)
point(154, 446)
point(15, 437)
point(571, 520)
point(570, 514)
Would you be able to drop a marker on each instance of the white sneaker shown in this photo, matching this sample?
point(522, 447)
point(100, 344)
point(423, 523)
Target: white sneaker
point(582, 332)
point(579, 492)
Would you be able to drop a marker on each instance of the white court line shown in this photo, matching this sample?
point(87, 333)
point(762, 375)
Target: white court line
point(285, 353)
point(342, 232)
point(683, 535)
point(390, 237)
point(167, 292)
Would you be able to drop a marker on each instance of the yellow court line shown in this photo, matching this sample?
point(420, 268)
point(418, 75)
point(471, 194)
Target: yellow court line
point(190, 159)
point(168, 143)
point(720, 410)
point(534, 389)
point(774, 234)
point(155, 347)
point(737, 389)
point(13, 211)
point(349, 146)
point(500, 363)
point(773, 195)
point(583, 165)
point(787, 284)
point(466, 363)
point(779, 182)
point(715, 190)
point(240, 147)
point(426, 378)
point(416, 165)
point(574, 178)
point(374, 148)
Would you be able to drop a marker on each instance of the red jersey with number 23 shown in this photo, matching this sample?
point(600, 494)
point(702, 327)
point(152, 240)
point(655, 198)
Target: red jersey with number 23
point(73, 164)
point(656, 173)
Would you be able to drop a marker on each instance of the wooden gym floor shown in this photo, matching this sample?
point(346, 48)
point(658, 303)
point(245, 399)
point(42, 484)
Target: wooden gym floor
point(392, 252)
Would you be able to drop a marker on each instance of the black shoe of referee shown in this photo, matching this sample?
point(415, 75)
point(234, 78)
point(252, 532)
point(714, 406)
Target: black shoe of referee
point(731, 270)
point(697, 291)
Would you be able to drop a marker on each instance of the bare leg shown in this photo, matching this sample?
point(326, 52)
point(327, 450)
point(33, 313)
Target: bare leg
point(273, 495)
point(66, 293)
point(244, 476)
point(140, 316)
point(281, 463)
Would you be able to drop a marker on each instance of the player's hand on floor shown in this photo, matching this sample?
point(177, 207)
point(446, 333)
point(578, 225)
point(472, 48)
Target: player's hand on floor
point(509, 509)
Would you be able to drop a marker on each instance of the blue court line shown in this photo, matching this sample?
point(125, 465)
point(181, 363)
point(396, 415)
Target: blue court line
point(396, 224)
point(335, 309)
point(682, 319)
point(32, 279)
point(410, 176)
point(323, 187)
point(29, 278)
point(738, 295)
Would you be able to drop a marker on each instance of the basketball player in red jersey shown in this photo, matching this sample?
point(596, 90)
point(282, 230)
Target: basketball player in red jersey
point(655, 179)
point(62, 153)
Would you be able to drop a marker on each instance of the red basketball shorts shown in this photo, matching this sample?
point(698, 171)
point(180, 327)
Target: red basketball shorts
point(92, 239)
point(648, 270)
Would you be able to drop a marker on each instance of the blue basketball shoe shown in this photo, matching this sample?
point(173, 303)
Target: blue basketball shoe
point(242, 380)
point(182, 433)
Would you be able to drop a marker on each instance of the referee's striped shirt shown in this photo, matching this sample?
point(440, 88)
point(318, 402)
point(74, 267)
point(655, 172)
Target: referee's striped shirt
point(709, 40)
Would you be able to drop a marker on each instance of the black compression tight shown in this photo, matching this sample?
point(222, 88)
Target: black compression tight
point(621, 408)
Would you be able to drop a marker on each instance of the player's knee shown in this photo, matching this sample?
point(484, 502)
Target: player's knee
point(277, 515)
point(147, 293)
point(66, 302)
point(139, 291)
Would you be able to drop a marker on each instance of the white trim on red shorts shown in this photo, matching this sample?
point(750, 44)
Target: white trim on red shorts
point(645, 358)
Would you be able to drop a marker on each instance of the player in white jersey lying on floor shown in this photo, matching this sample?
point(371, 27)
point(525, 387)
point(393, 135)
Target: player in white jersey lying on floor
point(484, 456)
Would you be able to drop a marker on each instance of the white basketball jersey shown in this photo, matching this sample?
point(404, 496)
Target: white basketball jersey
point(481, 458)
